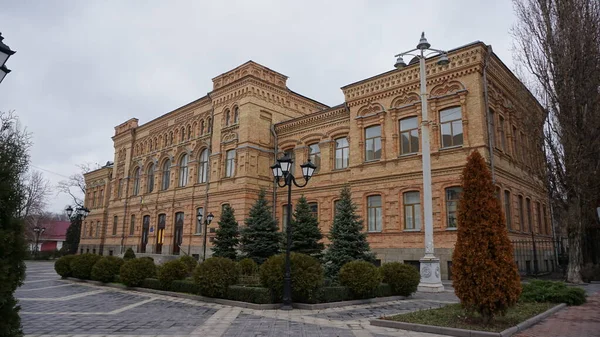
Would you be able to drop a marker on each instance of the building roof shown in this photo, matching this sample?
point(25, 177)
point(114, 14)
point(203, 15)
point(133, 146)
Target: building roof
point(55, 230)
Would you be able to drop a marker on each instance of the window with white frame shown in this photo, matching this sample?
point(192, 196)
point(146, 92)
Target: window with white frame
point(373, 143)
point(203, 166)
point(150, 179)
point(342, 152)
point(183, 170)
point(451, 127)
point(409, 135)
point(230, 163)
point(412, 210)
point(136, 181)
point(166, 176)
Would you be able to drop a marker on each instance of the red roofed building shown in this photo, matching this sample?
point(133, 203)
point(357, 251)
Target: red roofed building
point(53, 237)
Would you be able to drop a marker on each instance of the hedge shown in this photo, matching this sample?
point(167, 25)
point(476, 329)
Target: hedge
point(171, 271)
point(81, 265)
point(258, 295)
point(106, 269)
point(151, 283)
point(554, 292)
point(402, 278)
point(190, 263)
point(306, 276)
point(332, 294)
point(135, 271)
point(184, 286)
point(63, 266)
point(361, 277)
point(215, 275)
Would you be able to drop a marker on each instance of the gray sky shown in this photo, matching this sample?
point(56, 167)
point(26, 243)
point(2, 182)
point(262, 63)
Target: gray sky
point(83, 67)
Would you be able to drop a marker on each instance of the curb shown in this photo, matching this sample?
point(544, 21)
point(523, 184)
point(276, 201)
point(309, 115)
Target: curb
point(466, 333)
point(320, 306)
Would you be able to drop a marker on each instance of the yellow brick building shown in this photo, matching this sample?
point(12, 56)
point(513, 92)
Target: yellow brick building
point(217, 150)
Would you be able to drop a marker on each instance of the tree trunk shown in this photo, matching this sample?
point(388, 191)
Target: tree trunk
point(575, 228)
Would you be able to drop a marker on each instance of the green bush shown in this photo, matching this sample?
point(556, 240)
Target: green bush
point(215, 275)
point(129, 254)
point(134, 271)
point(149, 258)
point(590, 272)
point(185, 286)
point(190, 263)
point(361, 277)
point(554, 292)
point(63, 266)
point(247, 267)
point(106, 269)
point(384, 290)
point(171, 271)
point(332, 294)
point(81, 265)
point(306, 275)
point(402, 278)
point(258, 295)
point(151, 283)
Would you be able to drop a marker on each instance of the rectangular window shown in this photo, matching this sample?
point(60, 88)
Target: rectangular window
point(452, 198)
point(409, 135)
point(521, 216)
point(507, 213)
point(545, 221)
point(132, 225)
point(199, 224)
point(412, 210)
point(230, 164)
point(342, 151)
point(101, 201)
point(501, 133)
point(529, 222)
point(115, 224)
point(538, 207)
point(94, 199)
point(374, 216)
point(373, 143)
point(451, 127)
point(203, 166)
point(314, 153)
point(314, 209)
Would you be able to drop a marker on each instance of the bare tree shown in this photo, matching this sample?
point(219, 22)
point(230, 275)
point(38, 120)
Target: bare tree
point(37, 189)
point(75, 185)
point(558, 43)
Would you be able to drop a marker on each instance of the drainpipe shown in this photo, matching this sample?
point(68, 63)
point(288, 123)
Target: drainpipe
point(274, 183)
point(488, 114)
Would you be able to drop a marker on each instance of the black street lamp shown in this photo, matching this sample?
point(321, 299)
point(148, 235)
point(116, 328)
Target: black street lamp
point(209, 219)
point(282, 169)
point(5, 53)
point(38, 231)
point(78, 213)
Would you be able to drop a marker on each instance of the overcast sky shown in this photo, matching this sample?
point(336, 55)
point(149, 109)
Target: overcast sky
point(83, 67)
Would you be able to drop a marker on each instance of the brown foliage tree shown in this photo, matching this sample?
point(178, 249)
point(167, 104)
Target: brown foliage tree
point(484, 272)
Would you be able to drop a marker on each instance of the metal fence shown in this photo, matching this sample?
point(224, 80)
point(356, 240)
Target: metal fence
point(539, 256)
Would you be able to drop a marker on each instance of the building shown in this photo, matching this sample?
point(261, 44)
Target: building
point(217, 150)
point(52, 238)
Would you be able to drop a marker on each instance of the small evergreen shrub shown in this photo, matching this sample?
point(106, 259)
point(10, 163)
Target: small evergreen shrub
point(190, 263)
point(215, 275)
point(361, 277)
point(306, 275)
point(553, 292)
point(247, 267)
point(332, 294)
point(133, 272)
point(129, 254)
point(171, 271)
point(81, 265)
point(402, 278)
point(106, 269)
point(384, 290)
point(151, 283)
point(63, 265)
point(185, 286)
point(149, 258)
point(258, 295)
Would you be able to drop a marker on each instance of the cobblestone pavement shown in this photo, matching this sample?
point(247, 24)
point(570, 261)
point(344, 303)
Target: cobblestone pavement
point(54, 307)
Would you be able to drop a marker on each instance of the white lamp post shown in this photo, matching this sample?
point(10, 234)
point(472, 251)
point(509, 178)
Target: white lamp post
point(430, 265)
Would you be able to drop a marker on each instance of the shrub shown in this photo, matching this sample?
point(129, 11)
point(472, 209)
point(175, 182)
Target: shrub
point(332, 294)
point(171, 271)
point(190, 263)
point(149, 258)
point(258, 295)
point(215, 275)
point(63, 266)
point(81, 265)
point(247, 267)
point(185, 286)
point(485, 276)
point(306, 275)
point(134, 271)
point(402, 278)
point(129, 254)
point(151, 283)
point(361, 277)
point(106, 269)
point(384, 290)
point(554, 292)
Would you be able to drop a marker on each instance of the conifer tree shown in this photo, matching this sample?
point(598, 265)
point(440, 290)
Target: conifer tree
point(305, 231)
point(348, 241)
point(227, 238)
point(261, 238)
point(484, 273)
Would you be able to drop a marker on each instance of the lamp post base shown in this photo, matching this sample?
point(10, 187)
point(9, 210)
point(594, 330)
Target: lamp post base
point(286, 307)
point(431, 281)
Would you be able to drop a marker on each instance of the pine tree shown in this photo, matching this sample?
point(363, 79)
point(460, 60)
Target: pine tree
point(227, 238)
point(305, 231)
point(484, 273)
point(348, 241)
point(72, 237)
point(261, 237)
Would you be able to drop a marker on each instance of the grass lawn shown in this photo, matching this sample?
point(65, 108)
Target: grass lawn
point(454, 316)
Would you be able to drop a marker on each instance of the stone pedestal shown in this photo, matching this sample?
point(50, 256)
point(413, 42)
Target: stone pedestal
point(431, 281)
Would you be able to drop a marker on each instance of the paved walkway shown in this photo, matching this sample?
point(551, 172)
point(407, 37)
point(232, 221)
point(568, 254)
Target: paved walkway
point(54, 307)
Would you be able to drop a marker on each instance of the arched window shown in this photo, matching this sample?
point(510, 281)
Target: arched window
point(189, 131)
point(183, 170)
point(227, 117)
point(209, 126)
point(236, 115)
point(182, 135)
point(201, 127)
point(171, 138)
point(166, 181)
point(136, 181)
point(150, 181)
point(203, 166)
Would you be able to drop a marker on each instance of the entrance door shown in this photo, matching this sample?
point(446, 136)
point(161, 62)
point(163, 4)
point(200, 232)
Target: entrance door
point(178, 233)
point(145, 230)
point(160, 233)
